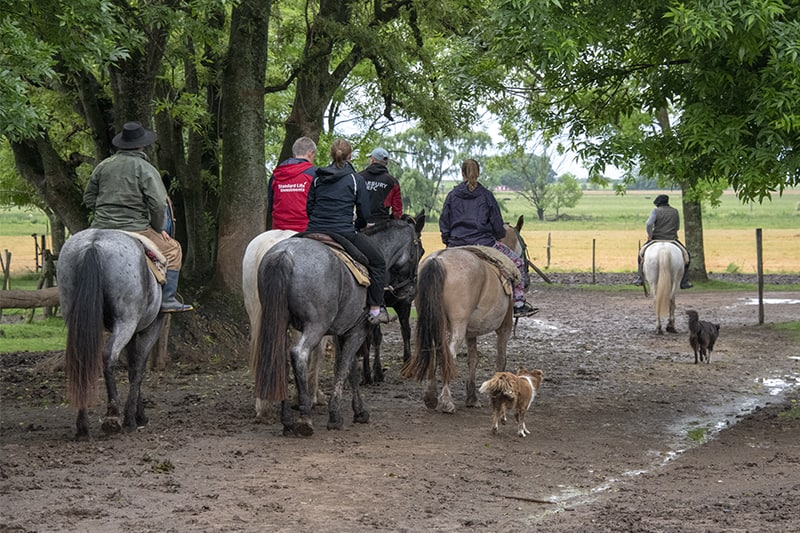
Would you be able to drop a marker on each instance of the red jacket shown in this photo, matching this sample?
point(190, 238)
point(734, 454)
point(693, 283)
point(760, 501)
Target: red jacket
point(288, 191)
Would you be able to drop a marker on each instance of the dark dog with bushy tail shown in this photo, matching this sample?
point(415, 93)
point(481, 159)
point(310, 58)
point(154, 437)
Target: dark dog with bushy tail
point(702, 336)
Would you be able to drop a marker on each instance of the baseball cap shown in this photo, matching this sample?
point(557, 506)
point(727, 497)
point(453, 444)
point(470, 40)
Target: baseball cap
point(380, 154)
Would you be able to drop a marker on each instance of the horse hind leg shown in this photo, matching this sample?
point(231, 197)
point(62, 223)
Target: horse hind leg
point(360, 414)
point(671, 322)
point(472, 365)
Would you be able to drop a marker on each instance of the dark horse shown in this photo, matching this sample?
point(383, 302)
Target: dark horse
point(303, 284)
point(402, 249)
point(105, 284)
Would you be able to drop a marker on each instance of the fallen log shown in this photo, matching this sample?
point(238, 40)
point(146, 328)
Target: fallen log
point(29, 299)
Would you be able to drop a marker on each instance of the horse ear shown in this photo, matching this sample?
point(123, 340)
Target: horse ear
point(520, 222)
point(420, 218)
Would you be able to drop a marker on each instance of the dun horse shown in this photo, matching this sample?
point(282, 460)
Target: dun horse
point(663, 268)
point(104, 283)
point(459, 296)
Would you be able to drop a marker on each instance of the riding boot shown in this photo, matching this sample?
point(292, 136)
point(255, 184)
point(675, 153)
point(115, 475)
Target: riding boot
point(168, 302)
point(639, 281)
point(685, 283)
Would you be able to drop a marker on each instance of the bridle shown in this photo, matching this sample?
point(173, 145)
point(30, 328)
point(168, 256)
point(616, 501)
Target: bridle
point(417, 255)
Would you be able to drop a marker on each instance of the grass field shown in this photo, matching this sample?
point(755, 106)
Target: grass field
point(614, 223)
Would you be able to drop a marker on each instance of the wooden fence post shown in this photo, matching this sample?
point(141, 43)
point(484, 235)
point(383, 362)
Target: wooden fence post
point(760, 270)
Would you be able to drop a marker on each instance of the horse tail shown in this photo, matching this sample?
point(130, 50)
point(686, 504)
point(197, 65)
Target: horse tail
point(270, 361)
point(663, 291)
point(84, 353)
point(432, 326)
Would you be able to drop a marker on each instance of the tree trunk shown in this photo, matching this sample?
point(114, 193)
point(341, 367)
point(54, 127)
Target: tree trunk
point(243, 199)
point(317, 81)
point(54, 180)
point(693, 230)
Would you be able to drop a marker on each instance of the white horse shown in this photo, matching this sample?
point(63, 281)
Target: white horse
point(663, 268)
point(252, 258)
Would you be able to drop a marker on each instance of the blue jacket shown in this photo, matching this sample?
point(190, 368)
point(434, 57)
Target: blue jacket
point(334, 193)
point(471, 217)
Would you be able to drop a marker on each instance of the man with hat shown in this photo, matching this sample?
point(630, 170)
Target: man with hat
point(663, 225)
point(126, 192)
point(383, 188)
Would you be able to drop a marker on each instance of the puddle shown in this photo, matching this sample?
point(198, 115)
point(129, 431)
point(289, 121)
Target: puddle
point(709, 424)
point(754, 301)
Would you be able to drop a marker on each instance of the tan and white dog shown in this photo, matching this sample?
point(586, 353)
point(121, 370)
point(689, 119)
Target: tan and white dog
point(507, 390)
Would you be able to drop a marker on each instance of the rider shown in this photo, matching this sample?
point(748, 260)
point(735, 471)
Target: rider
point(663, 225)
point(289, 184)
point(333, 195)
point(383, 188)
point(470, 215)
point(126, 193)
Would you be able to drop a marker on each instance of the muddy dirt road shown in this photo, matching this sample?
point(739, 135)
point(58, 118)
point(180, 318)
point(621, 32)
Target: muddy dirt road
point(628, 434)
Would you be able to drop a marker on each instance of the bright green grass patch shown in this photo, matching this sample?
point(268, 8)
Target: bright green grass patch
point(792, 328)
point(16, 221)
point(39, 336)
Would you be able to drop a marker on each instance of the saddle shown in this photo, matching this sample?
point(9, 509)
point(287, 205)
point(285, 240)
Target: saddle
point(156, 261)
point(352, 258)
point(682, 248)
point(500, 263)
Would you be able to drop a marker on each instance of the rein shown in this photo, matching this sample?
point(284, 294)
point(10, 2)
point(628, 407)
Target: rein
point(524, 254)
point(411, 280)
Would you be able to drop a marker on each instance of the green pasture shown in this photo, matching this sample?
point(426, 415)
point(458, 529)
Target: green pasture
point(605, 210)
point(15, 222)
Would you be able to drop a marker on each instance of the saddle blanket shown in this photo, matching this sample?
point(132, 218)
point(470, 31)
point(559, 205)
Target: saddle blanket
point(155, 259)
point(646, 245)
point(504, 267)
point(358, 270)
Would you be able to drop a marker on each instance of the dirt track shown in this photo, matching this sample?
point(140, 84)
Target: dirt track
point(610, 449)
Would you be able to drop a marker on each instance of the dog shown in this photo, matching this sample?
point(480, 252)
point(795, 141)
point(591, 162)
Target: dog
point(507, 390)
point(702, 336)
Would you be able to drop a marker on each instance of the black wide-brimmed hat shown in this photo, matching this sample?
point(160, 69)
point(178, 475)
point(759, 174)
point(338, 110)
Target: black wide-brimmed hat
point(661, 199)
point(133, 135)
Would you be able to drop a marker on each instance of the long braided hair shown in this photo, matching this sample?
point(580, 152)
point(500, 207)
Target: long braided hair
point(470, 170)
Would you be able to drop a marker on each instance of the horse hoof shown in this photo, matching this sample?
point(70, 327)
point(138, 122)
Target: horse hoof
point(304, 428)
point(111, 425)
point(448, 409)
point(361, 418)
point(671, 329)
point(335, 423)
point(430, 403)
point(82, 435)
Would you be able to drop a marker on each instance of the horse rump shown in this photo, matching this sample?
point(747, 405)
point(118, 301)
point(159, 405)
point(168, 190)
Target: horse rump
point(702, 337)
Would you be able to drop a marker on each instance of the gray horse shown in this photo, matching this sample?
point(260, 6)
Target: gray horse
point(302, 284)
point(104, 283)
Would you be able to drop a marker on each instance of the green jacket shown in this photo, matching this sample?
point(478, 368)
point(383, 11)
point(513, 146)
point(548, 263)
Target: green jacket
point(126, 192)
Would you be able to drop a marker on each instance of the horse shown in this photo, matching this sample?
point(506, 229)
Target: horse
point(663, 268)
point(459, 296)
point(252, 258)
point(303, 284)
point(104, 283)
point(401, 284)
